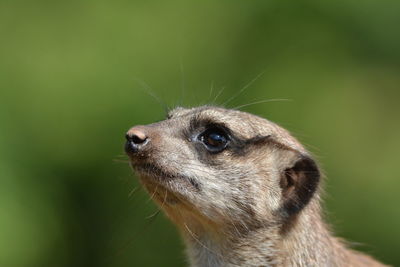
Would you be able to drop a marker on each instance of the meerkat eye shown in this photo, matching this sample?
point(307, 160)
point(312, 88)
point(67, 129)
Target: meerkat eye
point(214, 139)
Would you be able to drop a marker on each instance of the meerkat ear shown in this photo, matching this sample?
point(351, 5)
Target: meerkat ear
point(299, 184)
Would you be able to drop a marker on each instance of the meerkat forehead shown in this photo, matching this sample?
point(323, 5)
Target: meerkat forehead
point(244, 124)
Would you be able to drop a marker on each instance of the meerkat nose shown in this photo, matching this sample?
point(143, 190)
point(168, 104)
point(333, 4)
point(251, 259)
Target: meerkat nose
point(136, 139)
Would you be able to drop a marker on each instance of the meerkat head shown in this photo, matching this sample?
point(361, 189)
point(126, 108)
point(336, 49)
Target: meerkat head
point(222, 167)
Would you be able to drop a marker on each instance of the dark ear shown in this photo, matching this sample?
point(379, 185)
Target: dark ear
point(298, 184)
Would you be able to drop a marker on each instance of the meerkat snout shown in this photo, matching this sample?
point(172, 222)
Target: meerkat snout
point(241, 189)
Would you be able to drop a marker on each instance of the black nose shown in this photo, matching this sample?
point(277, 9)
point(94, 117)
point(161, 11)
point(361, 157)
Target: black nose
point(136, 138)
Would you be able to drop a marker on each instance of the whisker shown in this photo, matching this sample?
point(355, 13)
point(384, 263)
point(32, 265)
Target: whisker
point(153, 194)
point(122, 155)
point(132, 191)
point(149, 90)
point(198, 241)
point(260, 102)
point(244, 88)
point(219, 93)
point(120, 161)
point(165, 198)
point(211, 91)
point(183, 88)
point(153, 215)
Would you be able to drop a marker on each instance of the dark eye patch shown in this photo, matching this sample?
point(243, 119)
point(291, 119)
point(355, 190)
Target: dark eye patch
point(211, 137)
point(215, 139)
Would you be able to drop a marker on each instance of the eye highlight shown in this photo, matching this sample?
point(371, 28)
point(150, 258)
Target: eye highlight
point(214, 139)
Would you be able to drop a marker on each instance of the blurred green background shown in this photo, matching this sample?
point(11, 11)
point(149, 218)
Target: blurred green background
point(75, 75)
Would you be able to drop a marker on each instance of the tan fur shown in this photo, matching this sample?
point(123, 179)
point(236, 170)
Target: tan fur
point(231, 207)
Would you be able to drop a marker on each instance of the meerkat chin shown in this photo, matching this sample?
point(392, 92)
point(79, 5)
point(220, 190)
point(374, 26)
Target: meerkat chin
point(241, 190)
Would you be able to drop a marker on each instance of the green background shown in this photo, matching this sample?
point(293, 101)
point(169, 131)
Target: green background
point(75, 75)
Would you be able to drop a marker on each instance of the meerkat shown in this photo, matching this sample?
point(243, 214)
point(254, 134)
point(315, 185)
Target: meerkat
point(241, 190)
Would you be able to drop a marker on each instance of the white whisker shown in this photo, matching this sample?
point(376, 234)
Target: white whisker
point(260, 102)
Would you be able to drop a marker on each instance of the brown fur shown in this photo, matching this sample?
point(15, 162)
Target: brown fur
point(255, 203)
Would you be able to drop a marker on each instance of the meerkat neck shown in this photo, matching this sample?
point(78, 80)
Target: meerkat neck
point(306, 243)
point(209, 250)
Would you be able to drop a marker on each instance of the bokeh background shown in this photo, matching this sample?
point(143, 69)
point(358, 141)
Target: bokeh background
point(75, 75)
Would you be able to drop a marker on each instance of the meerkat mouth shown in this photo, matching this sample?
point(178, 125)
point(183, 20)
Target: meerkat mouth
point(164, 178)
point(164, 187)
point(154, 172)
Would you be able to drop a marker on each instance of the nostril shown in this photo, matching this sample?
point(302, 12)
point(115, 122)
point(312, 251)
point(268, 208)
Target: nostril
point(136, 136)
point(138, 139)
